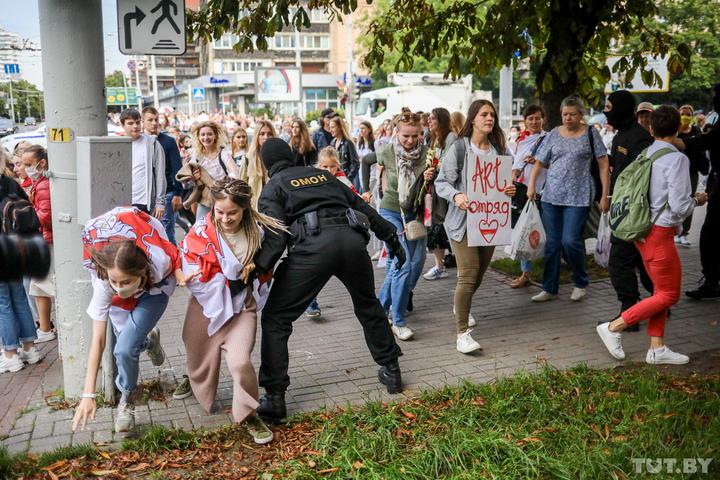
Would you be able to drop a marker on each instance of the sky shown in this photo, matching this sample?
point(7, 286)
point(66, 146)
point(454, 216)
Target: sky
point(21, 16)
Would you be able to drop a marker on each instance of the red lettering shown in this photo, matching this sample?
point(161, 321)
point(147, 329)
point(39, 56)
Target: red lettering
point(488, 174)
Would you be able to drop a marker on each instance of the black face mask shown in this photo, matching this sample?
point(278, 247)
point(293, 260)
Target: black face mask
point(622, 113)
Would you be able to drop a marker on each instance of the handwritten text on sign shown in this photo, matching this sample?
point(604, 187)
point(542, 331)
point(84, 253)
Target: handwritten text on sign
point(488, 214)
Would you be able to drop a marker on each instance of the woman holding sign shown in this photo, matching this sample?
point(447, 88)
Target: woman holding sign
point(481, 136)
point(567, 154)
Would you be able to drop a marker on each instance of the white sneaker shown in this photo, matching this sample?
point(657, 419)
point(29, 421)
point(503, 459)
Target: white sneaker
point(43, 337)
point(376, 256)
point(684, 242)
point(544, 297)
point(31, 356)
point(403, 333)
point(577, 294)
point(611, 340)
point(435, 273)
point(125, 419)
point(471, 320)
point(12, 364)
point(466, 344)
point(155, 350)
point(666, 356)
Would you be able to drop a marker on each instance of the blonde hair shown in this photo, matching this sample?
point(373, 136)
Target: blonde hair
point(457, 120)
point(221, 139)
point(241, 194)
point(340, 123)
point(328, 153)
point(232, 141)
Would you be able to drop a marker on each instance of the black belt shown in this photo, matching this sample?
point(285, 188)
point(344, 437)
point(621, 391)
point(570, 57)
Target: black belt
point(327, 221)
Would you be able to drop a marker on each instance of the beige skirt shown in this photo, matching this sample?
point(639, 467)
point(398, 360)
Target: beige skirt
point(44, 287)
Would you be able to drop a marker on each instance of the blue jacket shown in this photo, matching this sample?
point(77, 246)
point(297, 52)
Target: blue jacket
point(173, 163)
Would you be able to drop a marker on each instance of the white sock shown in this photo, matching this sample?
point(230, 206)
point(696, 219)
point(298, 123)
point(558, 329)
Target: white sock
point(659, 349)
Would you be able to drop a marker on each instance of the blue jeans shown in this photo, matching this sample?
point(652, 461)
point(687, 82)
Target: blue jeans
point(133, 339)
point(169, 217)
point(16, 322)
point(314, 305)
point(396, 288)
point(525, 266)
point(563, 227)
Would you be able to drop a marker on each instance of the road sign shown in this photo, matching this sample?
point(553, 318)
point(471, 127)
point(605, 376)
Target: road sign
point(151, 27)
point(620, 81)
point(11, 68)
point(199, 93)
point(116, 96)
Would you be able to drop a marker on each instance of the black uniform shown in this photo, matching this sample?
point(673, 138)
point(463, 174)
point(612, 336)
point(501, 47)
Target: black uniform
point(630, 141)
point(314, 255)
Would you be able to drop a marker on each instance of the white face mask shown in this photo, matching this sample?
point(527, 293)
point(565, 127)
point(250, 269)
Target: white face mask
point(33, 172)
point(127, 291)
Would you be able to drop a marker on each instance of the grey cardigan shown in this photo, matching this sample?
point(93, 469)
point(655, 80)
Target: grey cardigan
point(451, 181)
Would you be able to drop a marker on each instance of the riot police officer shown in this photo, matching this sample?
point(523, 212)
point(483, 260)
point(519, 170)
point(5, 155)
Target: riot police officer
point(329, 233)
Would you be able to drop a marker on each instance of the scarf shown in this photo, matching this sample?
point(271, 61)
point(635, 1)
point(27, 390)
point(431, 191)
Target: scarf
point(406, 160)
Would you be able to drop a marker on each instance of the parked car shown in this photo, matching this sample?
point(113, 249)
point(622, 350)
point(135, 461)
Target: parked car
point(39, 136)
point(30, 121)
point(7, 127)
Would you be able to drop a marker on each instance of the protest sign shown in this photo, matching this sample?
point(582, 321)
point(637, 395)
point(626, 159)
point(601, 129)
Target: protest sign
point(488, 213)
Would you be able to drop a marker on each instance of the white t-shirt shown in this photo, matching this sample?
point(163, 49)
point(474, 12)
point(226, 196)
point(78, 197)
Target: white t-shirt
point(670, 183)
point(524, 148)
point(139, 170)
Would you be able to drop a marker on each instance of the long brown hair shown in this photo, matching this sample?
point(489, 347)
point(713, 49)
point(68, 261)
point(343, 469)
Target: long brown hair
point(340, 123)
point(457, 119)
point(440, 135)
point(240, 193)
point(496, 136)
point(127, 257)
point(304, 144)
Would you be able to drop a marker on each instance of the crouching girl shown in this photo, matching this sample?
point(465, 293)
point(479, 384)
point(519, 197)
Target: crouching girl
point(222, 312)
point(134, 270)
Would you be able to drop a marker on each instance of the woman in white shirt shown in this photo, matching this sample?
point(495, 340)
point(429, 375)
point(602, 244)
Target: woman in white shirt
point(671, 201)
point(210, 152)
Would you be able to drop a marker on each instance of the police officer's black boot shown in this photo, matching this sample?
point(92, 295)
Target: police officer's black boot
point(272, 407)
point(389, 375)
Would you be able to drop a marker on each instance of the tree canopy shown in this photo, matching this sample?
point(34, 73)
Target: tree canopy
point(567, 42)
point(28, 100)
point(115, 79)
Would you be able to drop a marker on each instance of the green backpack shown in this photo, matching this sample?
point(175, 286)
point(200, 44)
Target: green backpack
point(630, 206)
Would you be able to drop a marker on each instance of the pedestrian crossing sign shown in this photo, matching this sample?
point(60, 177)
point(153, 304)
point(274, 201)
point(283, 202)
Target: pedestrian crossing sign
point(198, 93)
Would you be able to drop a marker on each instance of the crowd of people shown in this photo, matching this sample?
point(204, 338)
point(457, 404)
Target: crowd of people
point(246, 188)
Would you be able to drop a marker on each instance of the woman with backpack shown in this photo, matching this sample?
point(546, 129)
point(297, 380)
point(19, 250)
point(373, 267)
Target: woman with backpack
point(17, 328)
point(481, 135)
point(671, 201)
point(211, 152)
point(567, 153)
point(43, 289)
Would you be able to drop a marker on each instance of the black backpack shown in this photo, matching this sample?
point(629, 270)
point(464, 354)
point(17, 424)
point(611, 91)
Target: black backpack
point(18, 216)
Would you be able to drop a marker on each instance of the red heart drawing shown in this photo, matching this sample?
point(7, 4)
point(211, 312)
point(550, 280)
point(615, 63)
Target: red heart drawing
point(488, 229)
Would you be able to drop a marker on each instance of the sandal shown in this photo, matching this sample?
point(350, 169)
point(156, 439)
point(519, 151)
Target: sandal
point(521, 281)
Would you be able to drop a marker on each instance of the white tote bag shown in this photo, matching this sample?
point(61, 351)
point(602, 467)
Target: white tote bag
point(602, 247)
point(528, 239)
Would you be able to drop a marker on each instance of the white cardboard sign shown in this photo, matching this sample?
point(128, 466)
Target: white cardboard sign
point(488, 213)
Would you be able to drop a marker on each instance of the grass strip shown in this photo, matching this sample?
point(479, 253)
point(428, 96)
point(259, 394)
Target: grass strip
point(512, 268)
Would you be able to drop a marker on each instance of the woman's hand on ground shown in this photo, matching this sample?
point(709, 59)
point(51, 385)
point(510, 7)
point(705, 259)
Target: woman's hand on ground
point(84, 411)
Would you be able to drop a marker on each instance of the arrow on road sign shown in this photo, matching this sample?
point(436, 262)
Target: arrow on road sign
point(138, 15)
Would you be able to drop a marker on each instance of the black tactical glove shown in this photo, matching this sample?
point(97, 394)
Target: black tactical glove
point(236, 287)
point(395, 249)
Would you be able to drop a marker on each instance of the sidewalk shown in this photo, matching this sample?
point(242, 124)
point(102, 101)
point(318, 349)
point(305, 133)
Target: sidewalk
point(330, 365)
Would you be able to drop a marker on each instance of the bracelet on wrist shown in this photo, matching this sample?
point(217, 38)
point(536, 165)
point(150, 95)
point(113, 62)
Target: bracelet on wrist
point(89, 395)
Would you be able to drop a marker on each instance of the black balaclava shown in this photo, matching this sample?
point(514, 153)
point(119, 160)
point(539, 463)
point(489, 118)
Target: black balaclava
point(622, 113)
point(716, 98)
point(275, 151)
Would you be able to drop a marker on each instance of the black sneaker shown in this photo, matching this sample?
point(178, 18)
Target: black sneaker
point(272, 407)
point(706, 290)
point(390, 376)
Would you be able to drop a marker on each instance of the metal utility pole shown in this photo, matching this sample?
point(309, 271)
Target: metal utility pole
point(73, 67)
point(127, 100)
point(506, 87)
point(12, 102)
point(350, 82)
point(298, 64)
point(156, 100)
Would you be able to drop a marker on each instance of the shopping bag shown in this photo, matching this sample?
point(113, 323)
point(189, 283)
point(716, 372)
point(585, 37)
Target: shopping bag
point(528, 239)
point(427, 219)
point(602, 248)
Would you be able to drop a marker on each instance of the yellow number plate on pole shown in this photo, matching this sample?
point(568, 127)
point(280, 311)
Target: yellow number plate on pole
point(60, 135)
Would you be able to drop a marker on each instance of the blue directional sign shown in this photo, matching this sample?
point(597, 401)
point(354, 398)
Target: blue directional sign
point(11, 68)
point(199, 93)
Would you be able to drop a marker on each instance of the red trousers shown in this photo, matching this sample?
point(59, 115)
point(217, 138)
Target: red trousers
point(663, 265)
